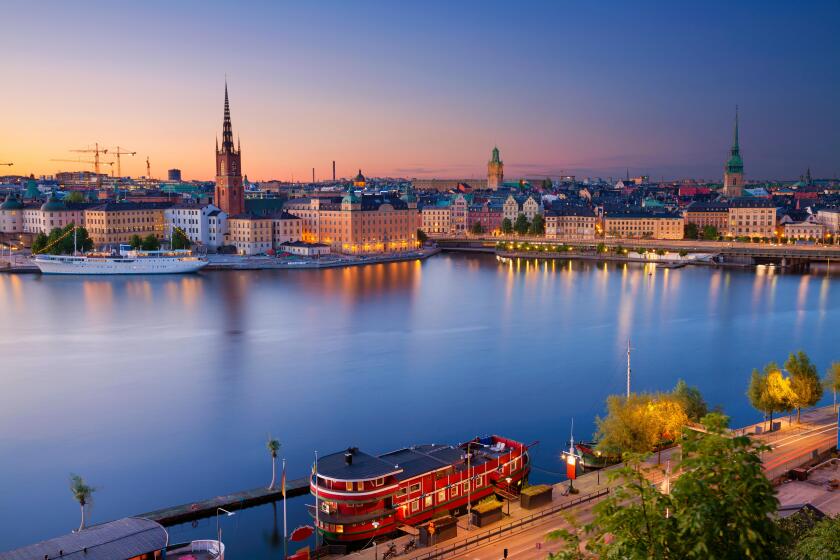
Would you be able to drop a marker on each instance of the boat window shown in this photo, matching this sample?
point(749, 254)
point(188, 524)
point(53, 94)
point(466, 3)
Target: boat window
point(454, 491)
point(360, 486)
point(415, 505)
point(414, 488)
point(441, 496)
point(428, 501)
point(479, 481)
point(466, 487)
point(380, 481)
point(350, 486)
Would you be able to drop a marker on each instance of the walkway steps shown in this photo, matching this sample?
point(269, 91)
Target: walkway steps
point(232, 502)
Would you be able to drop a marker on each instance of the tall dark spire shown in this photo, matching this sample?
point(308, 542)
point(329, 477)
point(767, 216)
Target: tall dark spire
point(735, 147)
point(227, 129)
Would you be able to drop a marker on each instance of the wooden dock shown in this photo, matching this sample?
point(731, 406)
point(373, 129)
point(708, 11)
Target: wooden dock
point(232, 502)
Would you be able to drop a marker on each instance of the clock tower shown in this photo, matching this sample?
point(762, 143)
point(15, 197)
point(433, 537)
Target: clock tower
point(229, 194)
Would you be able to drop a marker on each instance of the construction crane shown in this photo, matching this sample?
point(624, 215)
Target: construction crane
point(119, 153)
point(96, 163)
point(95, 151)
point(9, 164)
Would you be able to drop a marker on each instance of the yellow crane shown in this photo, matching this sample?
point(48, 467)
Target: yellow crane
point(95, 151)
point(119, 153)
point(95, 163)
point(9, 164)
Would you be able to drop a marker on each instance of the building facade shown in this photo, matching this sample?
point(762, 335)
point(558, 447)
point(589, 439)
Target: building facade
point(436, 218)
point(194, 220)
point(708, 214)
point(113, 223)
point(751, 217)
point(229, 194)
point(570, 222)
point(487, 215)
point(643, 225)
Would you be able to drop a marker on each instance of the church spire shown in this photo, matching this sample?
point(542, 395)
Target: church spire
point(735, 147)
point(227, 129)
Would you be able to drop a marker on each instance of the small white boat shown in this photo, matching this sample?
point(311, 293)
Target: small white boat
point(127, 261)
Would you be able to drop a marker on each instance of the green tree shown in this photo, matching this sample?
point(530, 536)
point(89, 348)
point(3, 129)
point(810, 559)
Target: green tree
point(476, 228)
point(82, 492)
point(822, 541)
point(691, 400)
point(421, 236)
point(804, 381)
point(600, 248)
point(718, 508)
point(832, 381)
point(75, 197)
point(273, 447)
point(547, 184)
point(39, 243)
point(537, 226)
point(507, 226)
point(180, 240)
point(136, 241)
point(521, 225)
point(769, 391)
point(150, 243)
point(690, 231)
point(710, 233)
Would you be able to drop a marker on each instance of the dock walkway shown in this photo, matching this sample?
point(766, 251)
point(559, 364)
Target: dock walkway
point(233, 502)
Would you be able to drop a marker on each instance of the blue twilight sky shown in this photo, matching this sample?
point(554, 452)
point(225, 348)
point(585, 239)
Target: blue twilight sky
point(426, 88)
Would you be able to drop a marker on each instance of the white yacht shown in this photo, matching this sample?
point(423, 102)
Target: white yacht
point(127, 261)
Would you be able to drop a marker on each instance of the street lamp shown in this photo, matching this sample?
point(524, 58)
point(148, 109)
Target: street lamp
point(508, 480)
point(469, 487)
point(375, 544)
point(219, 529)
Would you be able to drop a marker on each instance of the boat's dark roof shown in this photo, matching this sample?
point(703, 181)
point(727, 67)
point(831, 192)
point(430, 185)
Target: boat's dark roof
point(116, 540)
point(363, 467)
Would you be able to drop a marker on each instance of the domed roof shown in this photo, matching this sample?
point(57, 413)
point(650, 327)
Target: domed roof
point(359, 178)
point(53, 205)
point(11, 203)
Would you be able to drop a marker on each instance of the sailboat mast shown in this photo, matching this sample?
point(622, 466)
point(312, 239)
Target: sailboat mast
point(628, 368)
point(572, 438)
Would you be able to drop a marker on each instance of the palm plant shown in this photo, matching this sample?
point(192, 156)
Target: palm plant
point(273, 447)
point(82, 492)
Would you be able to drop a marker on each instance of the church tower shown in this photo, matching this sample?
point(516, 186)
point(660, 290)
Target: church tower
point(733, 171)
point(495, 171)
point(229, 194)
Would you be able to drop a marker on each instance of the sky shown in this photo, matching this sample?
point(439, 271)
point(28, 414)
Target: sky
point(424, 89)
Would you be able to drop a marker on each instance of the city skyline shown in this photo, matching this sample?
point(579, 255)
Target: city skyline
point(427, 92)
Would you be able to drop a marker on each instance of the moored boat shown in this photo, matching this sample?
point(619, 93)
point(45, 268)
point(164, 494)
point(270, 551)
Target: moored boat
point(126, 261)
point(360, 496)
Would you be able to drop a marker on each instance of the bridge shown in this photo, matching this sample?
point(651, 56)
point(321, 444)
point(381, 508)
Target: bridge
point(726, 251)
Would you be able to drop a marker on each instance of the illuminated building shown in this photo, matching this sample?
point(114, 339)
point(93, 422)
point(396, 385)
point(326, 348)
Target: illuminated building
point(436, 218)
point(255, 234)
point(570, 222)
point(117, 222)
point(751, 217)
point(629, 224)
point(733, 174)
point(705, 214)
point(495, 170)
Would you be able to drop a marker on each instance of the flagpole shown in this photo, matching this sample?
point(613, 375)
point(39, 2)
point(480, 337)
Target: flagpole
point(317, 507)
point(285, 537)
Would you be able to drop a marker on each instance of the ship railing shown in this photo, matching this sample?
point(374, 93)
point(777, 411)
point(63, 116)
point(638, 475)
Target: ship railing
point(506, 529)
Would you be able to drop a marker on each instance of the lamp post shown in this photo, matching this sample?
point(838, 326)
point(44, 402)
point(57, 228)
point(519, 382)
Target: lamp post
point(469, 487)
point(219, 529)
point(375, 544)
point(508, 480)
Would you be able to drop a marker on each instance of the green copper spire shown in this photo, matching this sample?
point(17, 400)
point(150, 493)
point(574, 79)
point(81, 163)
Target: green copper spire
point(495, 158)
point(735, 163)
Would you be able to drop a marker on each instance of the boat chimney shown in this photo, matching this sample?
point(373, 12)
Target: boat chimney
point(348, 456)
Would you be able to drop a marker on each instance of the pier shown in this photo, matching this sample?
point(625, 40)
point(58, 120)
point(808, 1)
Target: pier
point(233, 502)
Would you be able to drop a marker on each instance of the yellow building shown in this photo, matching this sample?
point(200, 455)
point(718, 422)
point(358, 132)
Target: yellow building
point(359, 224)
point(752, 217)
point(255, 234)
point(436, 219)
point(643, 225)
point(570, 222)
point(117, 222)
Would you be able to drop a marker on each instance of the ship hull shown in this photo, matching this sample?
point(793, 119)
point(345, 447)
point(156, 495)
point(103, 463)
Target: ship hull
point(118, 266)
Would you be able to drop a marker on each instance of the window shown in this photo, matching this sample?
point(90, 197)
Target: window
point(360, 486)
point(414, 488)
point(415, 505)
point(379, 482)
point(479, 481)
point(350, 486)
point(441, 496)
point(428, 501)
point(454, 491)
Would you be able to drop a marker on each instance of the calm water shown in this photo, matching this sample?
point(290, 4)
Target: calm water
point(163, 390)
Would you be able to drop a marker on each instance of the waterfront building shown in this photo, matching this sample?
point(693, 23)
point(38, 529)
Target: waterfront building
point(809, 228)
point(637, 224)
point(460, 210)
point(436, 219)
point(360, 496)
point(195, 221)
point(229, 195)
point(751, 217)
point(113, 223)
point(488, 215)
point(531, 208)
point(11, 215)
point(253, 234)
point(703, 214)
point(830, 218)
point(359, 224)
point(733, 174)
point(303, 249)
point(495, 171)
point(510, 209)
point(570, 222)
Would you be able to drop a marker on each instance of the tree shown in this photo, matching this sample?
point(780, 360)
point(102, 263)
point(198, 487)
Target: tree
point(179, 239)
point(718, 508)
point(273, 447)
point(521, 224)
point(804, 381)
point(538, 225)
point(75, 197)
point(547, 184)
point(820, 542)
point(600, 248)
point(691, 400)
point(710, 233)
point(476, 228)
point(421, 236)
point(150, 243)
point(769, 391)
point(39, 243)
point(832, 381)
point(690, 231)
point(136, 242)
point(669, 417)
point(507, 226)
point(82, 492)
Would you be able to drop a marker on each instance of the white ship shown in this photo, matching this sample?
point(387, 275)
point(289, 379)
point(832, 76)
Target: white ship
point(127, 261)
